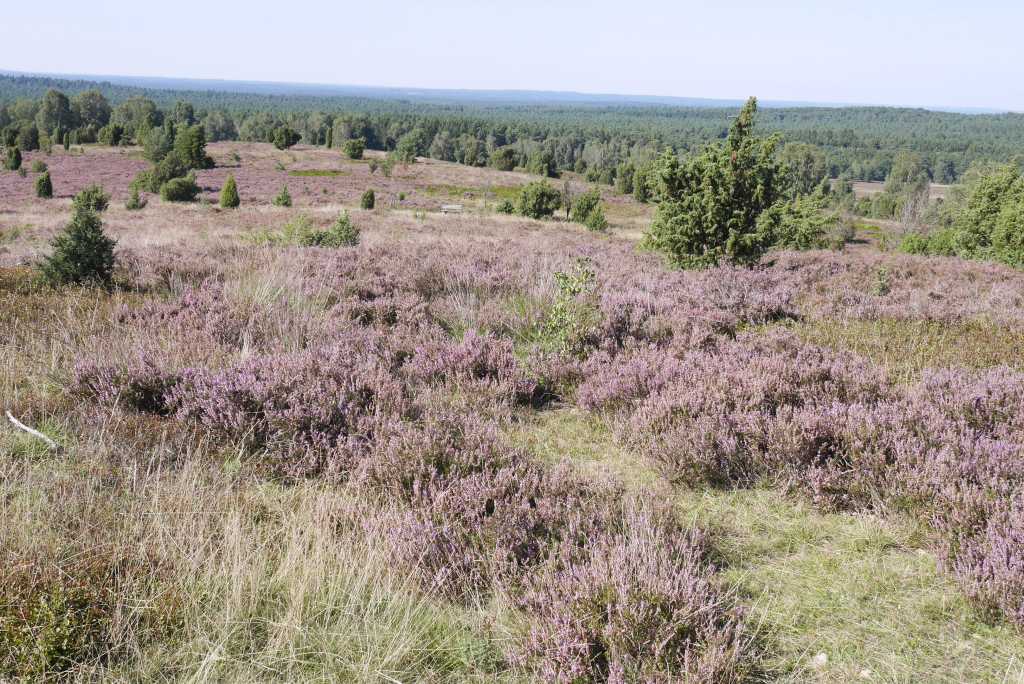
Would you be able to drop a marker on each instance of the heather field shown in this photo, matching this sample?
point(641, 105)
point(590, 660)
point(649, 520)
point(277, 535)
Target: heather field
point(479, 447)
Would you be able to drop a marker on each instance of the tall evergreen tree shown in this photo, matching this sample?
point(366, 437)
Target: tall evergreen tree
point(710, 204)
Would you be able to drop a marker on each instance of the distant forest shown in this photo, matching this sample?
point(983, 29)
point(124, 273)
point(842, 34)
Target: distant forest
point(594, 138)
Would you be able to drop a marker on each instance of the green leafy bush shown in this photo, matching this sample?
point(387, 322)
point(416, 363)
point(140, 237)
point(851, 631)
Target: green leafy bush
point(170, 167)
point(587, 210)
point(39, 166)
point(538, 199)
point(82, 253)
point(93, 198)
point(505, 207)
point(285, 137)
point(368, 200)
point(44, 186)
point(574, 314)
point(229, 193)
point(283, 199)
point(985, 220)
point(354, 148)
point(180, 189)
point(111, 135)
point(343, 233)
point(799, 224)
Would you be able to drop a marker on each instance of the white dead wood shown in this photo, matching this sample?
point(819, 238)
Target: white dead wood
point(35, 433)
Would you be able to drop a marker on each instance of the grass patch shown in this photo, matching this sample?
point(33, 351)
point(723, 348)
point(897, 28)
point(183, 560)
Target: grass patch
point(906, 348)
point(859, 589)
point(316, 173)
point(845, 597)
point(498, 192)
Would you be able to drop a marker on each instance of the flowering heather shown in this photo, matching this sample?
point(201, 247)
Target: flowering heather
point(632, 604)
point(400, 372)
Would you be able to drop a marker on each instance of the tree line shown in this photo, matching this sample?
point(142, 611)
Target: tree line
point(600, 141)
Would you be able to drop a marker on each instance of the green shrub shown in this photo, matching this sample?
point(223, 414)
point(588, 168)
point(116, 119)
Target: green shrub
point(39, 166)
point(180, 189)
point(504, 159)
point(111, 135)
point(190, 146)
point(505, 207)
point(44, 186)
point(158, 142)
point(229, 194)
point(13, 160)
point(710, 204)
point(542, 163)
point(152, 180)
point(93, 198)
point(354, 148)
point(799, 224)
point(1008, 234)
point(82, 253)
point(343, 233)
point(52, 628)
point(408, 148)
point(574, 314)
point(584, 204)
point(596, 221)
point(283, 199)
point(538, 199)
point(368, 200)
point(135, 201)
point(284, 137)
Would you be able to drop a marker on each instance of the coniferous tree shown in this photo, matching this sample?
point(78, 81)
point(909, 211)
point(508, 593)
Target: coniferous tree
point(283, 199)
point(82, 253)
point(44, 186)
point(368, 200)
point(709, 204)
point(13, 160)
point(229, 193)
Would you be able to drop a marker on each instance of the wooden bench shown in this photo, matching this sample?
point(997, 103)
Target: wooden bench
point(451, 208)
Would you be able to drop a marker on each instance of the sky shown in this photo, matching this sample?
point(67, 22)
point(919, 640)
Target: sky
point(939, 53)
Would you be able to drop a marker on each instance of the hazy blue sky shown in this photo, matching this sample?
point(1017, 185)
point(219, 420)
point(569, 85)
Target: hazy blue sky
point(918, 52)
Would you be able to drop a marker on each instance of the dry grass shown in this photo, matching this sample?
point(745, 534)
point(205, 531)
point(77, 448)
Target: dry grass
point(906, 348)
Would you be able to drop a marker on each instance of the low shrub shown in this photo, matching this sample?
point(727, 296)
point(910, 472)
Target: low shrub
point(342, 233)
point(368, 200)
point(180, 190)
point(229, 194)
point(82, 253)
point(44, 186)
point(93, 198)
point(135, 201)
point(354, 148)
point(538, 200)
point(283, 198)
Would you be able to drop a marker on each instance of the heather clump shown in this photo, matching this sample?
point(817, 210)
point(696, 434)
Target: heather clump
point(489, 529)
point(479, 363)
point(317, 398)
point(635, 603)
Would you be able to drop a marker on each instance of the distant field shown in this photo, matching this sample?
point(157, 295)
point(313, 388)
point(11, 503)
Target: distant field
point(867, 189)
